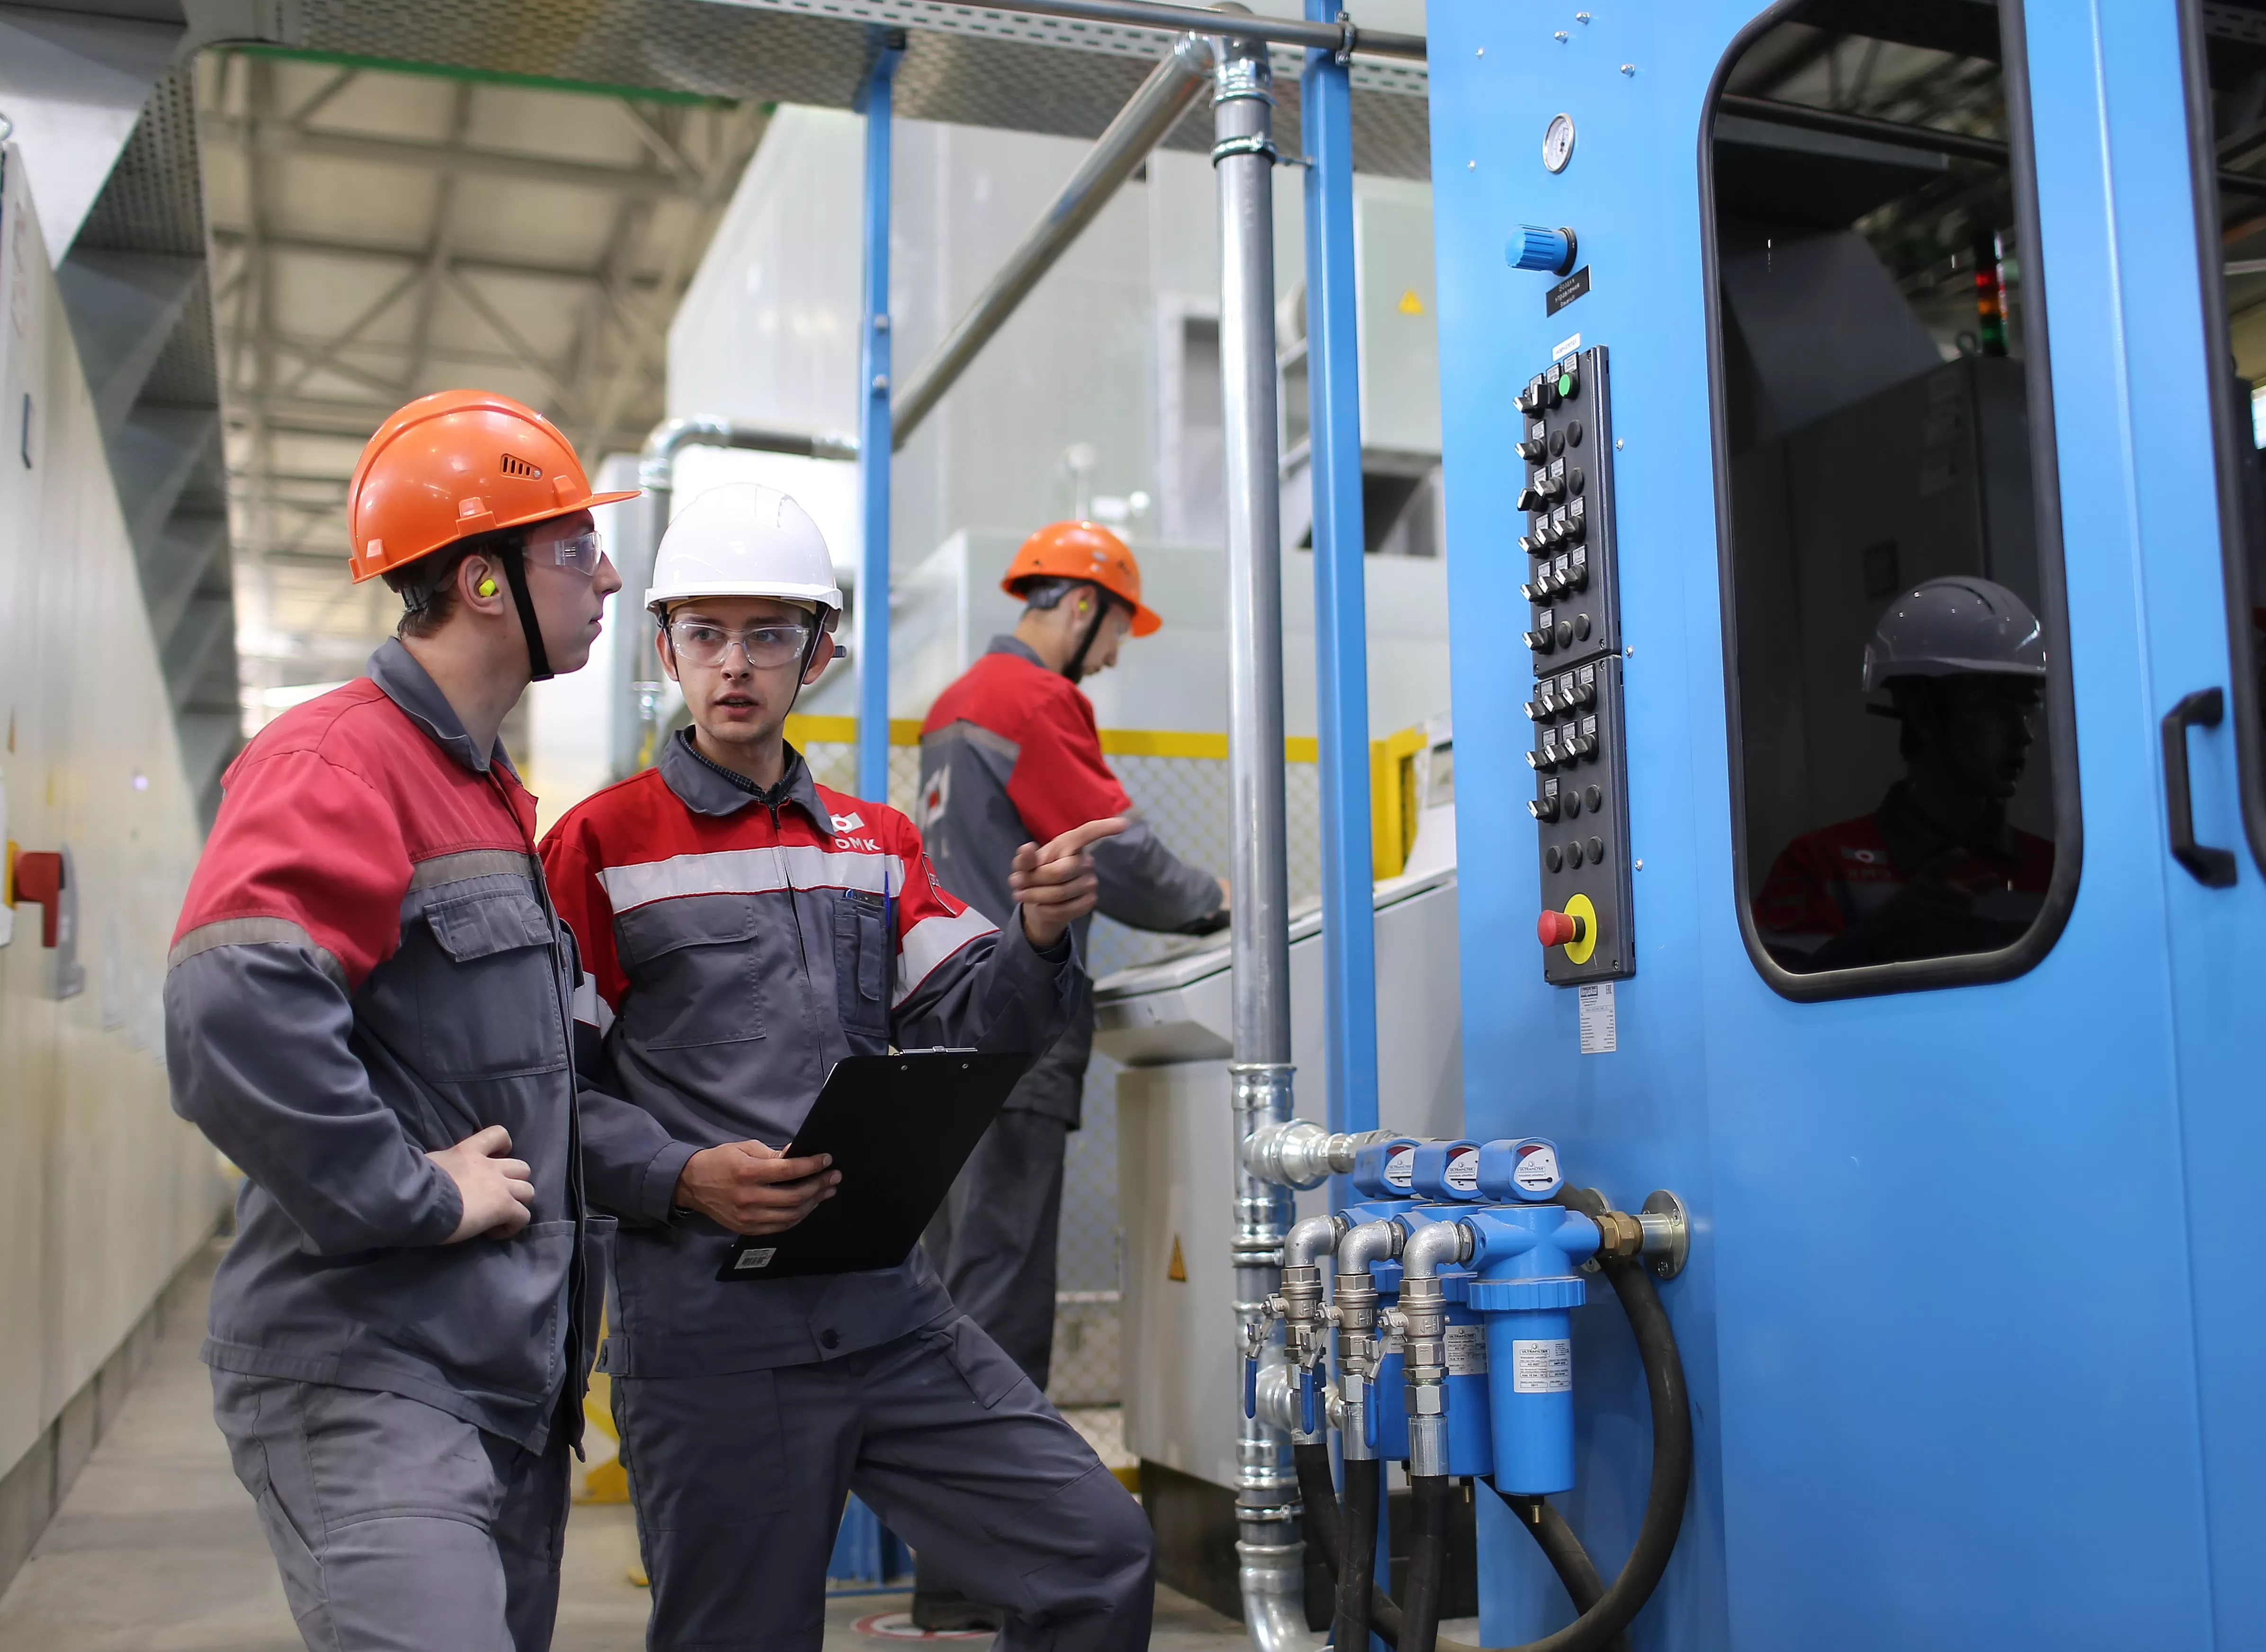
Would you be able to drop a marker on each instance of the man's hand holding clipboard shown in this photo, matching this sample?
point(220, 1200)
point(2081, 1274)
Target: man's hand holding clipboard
point(752, 1189)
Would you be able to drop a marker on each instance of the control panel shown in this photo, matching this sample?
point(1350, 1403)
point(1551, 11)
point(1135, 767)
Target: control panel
point(1579, 754)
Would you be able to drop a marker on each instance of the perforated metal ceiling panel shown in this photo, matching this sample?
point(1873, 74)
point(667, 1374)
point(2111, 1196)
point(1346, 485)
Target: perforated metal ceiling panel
point(962, 64)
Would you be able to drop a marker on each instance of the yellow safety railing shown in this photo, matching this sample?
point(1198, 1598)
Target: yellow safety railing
point(1393, 802)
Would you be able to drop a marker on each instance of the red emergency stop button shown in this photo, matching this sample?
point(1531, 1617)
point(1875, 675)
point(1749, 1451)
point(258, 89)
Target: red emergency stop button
point(1560, 929)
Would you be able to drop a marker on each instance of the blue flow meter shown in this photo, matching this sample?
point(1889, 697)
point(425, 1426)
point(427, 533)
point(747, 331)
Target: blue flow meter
point(1447, 1172)
point(1382, 1170)
point(1524, 1171)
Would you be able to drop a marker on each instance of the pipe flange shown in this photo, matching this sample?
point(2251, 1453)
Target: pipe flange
point(1667, 1233)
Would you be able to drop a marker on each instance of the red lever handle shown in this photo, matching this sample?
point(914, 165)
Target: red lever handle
point(39, 877)
point(1557, 929)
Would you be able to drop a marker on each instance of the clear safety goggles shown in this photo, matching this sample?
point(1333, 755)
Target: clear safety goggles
point(582, 553)
point(773, 643)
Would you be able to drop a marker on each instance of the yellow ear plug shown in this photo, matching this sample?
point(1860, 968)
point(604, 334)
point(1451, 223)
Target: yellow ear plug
point(487, 588)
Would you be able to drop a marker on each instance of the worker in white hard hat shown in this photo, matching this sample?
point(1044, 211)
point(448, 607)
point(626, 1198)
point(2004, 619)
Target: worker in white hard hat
point(742, 929)
point(1937, 868)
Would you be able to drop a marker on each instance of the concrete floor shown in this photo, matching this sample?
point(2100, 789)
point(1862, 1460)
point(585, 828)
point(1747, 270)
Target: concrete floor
point(157, 1549)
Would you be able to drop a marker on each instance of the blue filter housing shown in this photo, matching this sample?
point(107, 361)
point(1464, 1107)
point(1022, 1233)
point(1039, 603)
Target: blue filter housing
point(1526, 1294)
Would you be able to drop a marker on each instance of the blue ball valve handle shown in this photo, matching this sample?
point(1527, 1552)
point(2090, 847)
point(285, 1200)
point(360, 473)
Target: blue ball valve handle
point(1446, 1172)
point(1309, 1421)
point(1524, 1171)
point(1250, 1385)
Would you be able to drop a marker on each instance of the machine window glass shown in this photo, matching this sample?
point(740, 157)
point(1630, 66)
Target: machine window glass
point(1904, 762)
point(2226, 103)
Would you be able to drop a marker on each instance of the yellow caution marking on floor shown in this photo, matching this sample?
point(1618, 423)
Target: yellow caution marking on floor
point(1177, 1270)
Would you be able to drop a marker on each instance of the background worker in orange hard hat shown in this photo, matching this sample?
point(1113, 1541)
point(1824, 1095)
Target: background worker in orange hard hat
point(1010, 756)
point(366, 1009)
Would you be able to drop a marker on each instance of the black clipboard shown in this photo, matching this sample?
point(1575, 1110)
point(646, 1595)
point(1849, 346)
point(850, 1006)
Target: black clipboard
point(900, 1127)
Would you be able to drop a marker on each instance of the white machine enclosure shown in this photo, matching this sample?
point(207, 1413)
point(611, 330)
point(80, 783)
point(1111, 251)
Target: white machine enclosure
point(1168, 1023)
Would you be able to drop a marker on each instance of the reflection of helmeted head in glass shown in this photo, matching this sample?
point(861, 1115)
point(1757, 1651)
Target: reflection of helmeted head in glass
point(1964, 663)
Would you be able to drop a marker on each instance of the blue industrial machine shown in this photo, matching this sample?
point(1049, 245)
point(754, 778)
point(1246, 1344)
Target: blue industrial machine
point(1935, 1402)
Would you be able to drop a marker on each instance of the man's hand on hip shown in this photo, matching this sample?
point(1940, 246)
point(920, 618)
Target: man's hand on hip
point(1056, 886)
point(751, 1189)
point(498, 1192)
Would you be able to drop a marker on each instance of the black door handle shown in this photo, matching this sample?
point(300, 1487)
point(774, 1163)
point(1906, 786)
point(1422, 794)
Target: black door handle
point(2214, 868)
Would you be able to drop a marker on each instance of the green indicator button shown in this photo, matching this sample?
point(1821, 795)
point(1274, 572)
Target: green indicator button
point(1564, 384)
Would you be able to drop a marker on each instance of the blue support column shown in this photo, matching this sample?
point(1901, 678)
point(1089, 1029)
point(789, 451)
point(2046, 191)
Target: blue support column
point(1340, 603)
point(872, 654)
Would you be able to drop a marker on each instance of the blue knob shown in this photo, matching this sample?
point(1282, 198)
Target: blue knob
point(1534, 247)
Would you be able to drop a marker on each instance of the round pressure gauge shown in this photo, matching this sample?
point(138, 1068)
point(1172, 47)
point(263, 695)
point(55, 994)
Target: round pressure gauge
point(1558, 142)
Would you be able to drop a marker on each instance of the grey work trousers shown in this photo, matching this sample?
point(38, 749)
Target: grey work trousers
point(397, 1528)
point(993, 1239)
point(739, 1482)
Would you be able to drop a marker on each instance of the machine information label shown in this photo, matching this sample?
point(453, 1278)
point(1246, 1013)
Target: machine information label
point(1600, 1036)
point(1466, 1350)
point(1566, 291)
point(1541, 1368)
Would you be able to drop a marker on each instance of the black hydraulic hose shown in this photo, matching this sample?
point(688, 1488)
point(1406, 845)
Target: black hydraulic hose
point(1601, 1621)
point(1564, 1552)
point(1364, 1479)
point(1428, 1562)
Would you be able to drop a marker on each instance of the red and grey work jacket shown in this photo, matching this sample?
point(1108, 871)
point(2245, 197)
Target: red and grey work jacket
point(738, 945)
point(1010, 756)
point(367, 969)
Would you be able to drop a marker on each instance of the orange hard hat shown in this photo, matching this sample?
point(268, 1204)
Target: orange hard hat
point(453, 465)
point(1082, 550)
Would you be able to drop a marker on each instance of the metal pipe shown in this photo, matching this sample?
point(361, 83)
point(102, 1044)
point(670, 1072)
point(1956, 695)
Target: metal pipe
point(1340, 600)
point(1301, 1154)
point(1271, 1558)
point(1423, 1315)
point(871, 658)
point(1151, 112)
point(1337, 37)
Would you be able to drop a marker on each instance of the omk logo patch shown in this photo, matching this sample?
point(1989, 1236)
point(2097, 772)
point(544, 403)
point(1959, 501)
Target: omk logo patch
point(848, 822)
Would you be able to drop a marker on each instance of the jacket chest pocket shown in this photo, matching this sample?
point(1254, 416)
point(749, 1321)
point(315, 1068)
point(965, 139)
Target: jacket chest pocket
point(487, 1007)
point(861, 962)
point(695, 972)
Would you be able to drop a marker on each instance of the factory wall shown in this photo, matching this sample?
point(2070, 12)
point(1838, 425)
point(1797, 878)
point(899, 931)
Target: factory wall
point(103, 1191)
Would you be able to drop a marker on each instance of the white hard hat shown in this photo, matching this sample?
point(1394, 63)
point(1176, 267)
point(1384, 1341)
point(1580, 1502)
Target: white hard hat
point(744, 539)
point(1958, 626)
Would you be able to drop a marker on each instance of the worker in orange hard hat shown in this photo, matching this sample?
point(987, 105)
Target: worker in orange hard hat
point(366, 1010)
point(1010, 756)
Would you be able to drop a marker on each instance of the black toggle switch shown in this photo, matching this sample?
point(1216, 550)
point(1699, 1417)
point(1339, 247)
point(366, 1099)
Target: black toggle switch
point(1546, 806)
point(1530, 449)
point(1577, 568)
point(1530, 498)
point(1551, 487)
point(1585, 687)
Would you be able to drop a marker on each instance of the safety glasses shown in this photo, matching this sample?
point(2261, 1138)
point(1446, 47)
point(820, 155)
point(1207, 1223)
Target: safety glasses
point(582, 553)
point(702, 643)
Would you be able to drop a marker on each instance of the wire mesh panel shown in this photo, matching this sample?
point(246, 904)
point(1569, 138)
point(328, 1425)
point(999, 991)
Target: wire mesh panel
point(1188, 803)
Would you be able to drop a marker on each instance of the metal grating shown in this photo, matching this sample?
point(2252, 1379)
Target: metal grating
point(962, 64)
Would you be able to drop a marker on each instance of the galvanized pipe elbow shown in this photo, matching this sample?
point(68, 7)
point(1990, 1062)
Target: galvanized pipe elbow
point(1370, 1243)
point(1312, 1238)
point(1431, 1248)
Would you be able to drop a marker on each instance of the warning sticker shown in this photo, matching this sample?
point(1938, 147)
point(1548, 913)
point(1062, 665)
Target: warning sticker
point(1599, 1037)
point(1466, 1350)
point(1542, 1368)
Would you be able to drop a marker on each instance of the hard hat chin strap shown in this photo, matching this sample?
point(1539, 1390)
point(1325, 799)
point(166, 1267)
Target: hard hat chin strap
point(514, 557)
point(1074, 667)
